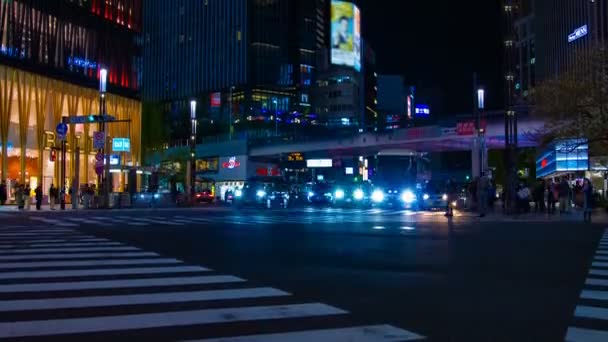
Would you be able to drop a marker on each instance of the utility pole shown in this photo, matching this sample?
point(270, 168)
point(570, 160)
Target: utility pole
point(103, 179)
point(193, 127)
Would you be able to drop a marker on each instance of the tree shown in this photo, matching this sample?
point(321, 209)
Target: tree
point(155, 130)
point(574, 105)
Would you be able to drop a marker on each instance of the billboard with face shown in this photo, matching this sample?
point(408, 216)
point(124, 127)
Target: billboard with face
point(345, 34)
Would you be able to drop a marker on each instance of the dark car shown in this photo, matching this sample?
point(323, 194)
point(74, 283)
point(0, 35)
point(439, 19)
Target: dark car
point(321, 194)
point(434, 196)
point(204, 196)
point(263, 194)
point(351, 195)
point(394, 195)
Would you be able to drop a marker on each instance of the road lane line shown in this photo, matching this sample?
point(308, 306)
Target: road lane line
point(591, 312)
point(51, 242)
point(77, 256)
point(375, 333)
point(597, 282)
point(586, 335)
point(115, 284)
point(71, 249)
point(101, 272)
point(89, 263)
point(598, 295)
point(26, 234)
point(72, 244)
point(599, 264)
point(165, 319)
point(594, 271)
point(137, 299)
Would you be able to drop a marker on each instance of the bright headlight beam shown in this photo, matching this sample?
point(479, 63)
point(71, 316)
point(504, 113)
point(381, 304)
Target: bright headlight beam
point(339, 194)
point(408, 197)
point(378, 196)
point(359, 194)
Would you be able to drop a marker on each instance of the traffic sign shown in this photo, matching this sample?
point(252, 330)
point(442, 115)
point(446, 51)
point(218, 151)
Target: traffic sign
point(99, 139)
point(62, 130)
point(99, 167)
point(99, 156)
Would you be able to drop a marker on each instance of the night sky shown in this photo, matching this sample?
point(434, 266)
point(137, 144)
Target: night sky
point(439, 44)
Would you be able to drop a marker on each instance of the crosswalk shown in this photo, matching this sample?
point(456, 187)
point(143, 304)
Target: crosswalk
point(235, 218)
point(57, 283)
point(591, 313)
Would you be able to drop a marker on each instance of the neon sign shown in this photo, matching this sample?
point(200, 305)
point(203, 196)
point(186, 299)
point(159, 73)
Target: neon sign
point(82, 62)
point(578, 33)
point(232, 163)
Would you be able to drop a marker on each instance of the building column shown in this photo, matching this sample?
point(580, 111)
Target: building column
point(24, 97)
point(41, 88)
point(6, 101)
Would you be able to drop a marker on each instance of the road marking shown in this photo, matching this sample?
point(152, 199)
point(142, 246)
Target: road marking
point(591, 312)
point(90, 263)
point(73, 244)
point(598, 295)
point(598, 272)
point(52, 242)
point(147, 220)
point(599, 264)
point(597, 282)
point(38, 230)
point(70, 249)
point(102, 272)
point(601, 258)
point(83, 220)
point(77, 256)
point(165, 319)
point(375, 333)
point(114, 284)
point(586, 335)
point(26, 234)
point(137, 299)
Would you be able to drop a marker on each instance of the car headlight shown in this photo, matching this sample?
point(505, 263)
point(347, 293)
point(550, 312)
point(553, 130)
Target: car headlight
point(409, 197)
point(156, 196)
point(378, 196)
point(444, 197)
point(142, 196)
point(339, 194)
point(358, 195)
point(426, 197)
point(238, 193)
point(261, 193)
point(311, 194)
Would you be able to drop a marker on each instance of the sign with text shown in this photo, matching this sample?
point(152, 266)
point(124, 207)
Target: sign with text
point(468, 127)
point(295, 156)
point(99, 140)
point(121, 145)
point(319, 163)
point(232, 163)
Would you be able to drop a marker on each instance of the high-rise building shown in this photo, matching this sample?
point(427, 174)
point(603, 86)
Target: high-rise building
point(246, 61)
point(51, 54)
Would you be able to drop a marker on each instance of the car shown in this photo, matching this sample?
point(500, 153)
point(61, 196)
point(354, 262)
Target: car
point(321, 194)
point(433, 196)
point(263, 194)
point(351, 195)
point(204, 196)
point(387, 195)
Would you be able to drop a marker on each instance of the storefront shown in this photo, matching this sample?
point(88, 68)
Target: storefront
point(29, 116)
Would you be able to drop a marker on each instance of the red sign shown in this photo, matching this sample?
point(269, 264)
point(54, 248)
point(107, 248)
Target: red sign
point(216, 100)
point(268, 172)
point(53, 156)
point(468, 127)
point(544, 163)
point(232, 163)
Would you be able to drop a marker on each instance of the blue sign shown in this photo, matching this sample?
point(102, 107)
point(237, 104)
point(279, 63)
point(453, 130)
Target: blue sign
point(578, 33)
point(62, 129)
point(121, 145)
point(564, 156)
point(422, 110)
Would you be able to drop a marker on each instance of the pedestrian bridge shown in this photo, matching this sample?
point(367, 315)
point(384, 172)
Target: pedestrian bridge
point(419, 139)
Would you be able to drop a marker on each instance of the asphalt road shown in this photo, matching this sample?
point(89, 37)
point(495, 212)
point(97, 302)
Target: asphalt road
point(464, 279)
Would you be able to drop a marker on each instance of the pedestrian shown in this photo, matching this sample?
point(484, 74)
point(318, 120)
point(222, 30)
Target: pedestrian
point(483, 184)
point(85, 196)
point(564, 196)
point(53, 194)
point(452, 197)
point(3, 194)
point(523, 198)
point(27, 196)
point(539, 196)
point(19, 196)
point(550, 197)
point(38, 194)
point(587, 199)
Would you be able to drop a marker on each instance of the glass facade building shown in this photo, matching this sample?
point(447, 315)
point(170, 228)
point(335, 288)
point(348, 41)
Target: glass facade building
point(51, 52)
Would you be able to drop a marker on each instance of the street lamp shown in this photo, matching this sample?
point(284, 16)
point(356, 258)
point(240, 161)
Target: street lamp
point(192, 147)
point(276, 117)
point(480, 130)
point(105, 179)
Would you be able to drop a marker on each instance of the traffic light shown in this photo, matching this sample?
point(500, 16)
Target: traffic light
point(53, 156)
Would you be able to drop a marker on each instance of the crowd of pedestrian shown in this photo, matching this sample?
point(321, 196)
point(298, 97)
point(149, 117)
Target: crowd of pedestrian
point(24, 195)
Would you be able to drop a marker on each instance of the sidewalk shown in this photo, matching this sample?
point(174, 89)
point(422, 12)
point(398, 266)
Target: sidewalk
point(599, 216)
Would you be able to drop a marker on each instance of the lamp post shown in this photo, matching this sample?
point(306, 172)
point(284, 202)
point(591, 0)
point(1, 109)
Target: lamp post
point(193, 127)
point(105, 179)
point(276, 117)
point(481, 130)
